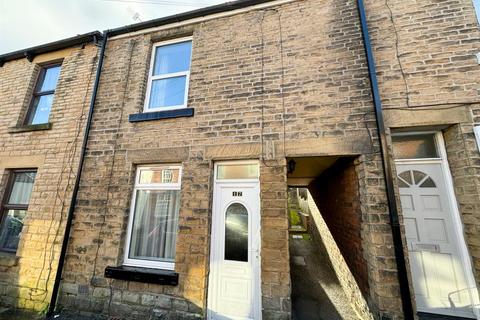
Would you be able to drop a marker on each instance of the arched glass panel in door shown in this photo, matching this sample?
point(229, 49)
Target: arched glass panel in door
point(410, 178)
point(236, 233)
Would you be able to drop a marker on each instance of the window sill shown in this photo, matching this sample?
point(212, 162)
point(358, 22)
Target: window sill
point(30, 127)
point(146, 275)
point(157, 115)
point(8, 259)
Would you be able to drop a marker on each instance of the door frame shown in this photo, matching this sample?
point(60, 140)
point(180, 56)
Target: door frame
point(456, 218)
point(257, 285)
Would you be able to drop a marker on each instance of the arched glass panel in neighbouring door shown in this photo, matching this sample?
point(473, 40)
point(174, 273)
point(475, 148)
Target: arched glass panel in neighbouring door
point(411, 178)
point(236, 233)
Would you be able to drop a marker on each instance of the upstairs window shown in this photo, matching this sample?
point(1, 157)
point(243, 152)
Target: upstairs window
point(43, 95)
point(169, 75)
point(14, 208)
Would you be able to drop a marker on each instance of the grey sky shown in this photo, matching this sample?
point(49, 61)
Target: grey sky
point(26, 23)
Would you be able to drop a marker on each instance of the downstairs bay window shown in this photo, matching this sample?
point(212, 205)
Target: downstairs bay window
point(153, 220)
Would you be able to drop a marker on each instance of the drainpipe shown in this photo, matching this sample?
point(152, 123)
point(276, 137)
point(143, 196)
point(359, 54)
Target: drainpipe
point(70, 216)
point(387, 170)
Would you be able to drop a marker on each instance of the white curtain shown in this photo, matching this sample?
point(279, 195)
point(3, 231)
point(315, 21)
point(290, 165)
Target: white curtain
point(22, 188)
point(158, 95)
point(155, 225)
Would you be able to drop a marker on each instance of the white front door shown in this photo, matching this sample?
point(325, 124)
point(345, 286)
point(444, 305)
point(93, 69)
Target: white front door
point(439, 274)
point(234, 279)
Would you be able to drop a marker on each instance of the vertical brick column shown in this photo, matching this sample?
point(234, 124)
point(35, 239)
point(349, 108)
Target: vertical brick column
point(192, 240)
point(275, 255)
point(384, 298)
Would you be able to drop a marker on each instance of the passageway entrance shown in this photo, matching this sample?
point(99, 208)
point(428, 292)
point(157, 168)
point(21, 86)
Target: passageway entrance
point(326, 257)
point(316, 291)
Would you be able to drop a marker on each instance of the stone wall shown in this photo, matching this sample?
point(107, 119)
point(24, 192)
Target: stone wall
point(258, 92)
point(275, 255)
point(428, 77)
point(263, 86)
point(27, 277)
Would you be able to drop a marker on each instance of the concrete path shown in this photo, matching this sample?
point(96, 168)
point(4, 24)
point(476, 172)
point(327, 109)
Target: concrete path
point(316, 292)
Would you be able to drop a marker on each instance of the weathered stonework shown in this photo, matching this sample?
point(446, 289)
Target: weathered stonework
point(282, 82)
point(263, 86)
point(427, 71)
point(27, 277)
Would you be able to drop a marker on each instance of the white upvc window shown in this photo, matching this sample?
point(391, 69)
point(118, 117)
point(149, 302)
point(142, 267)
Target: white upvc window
point(153, 220)
point(169, 75)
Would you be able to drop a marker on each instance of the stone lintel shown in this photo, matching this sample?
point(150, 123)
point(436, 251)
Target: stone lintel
point(431, 116)
point(158, 155)
point(328, 146)
point(233, 151)
point(18, 162)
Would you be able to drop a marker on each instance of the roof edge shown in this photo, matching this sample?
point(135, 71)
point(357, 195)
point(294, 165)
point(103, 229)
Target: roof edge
point(31, 52)
point(219, 8)
point(95, 36)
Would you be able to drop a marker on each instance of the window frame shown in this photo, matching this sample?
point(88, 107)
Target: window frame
point(419, 133)
point(236, 162)
point(152, 78)
point(36, 93)
point(4, 206)
point(165, 265)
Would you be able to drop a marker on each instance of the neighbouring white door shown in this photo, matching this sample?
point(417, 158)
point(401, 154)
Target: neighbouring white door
point(440, 273)
point(234, 279)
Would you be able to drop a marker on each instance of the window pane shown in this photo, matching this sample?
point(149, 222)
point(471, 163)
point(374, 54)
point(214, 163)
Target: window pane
point(11, 228)
point(418, 176)
point(407, 176)
point(155, 225)
point(428, 183)
point(41, 109)
point(168, 92)
point(236, 233)
point(172, 58)
point(160, 175)
point(50, 78)
point(402, 184)
point(22, 187)
point(414, 146)
point(237, 171)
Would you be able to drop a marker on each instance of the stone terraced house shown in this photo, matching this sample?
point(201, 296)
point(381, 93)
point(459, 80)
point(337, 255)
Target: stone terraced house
point(44, 97)
point(198, 125)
